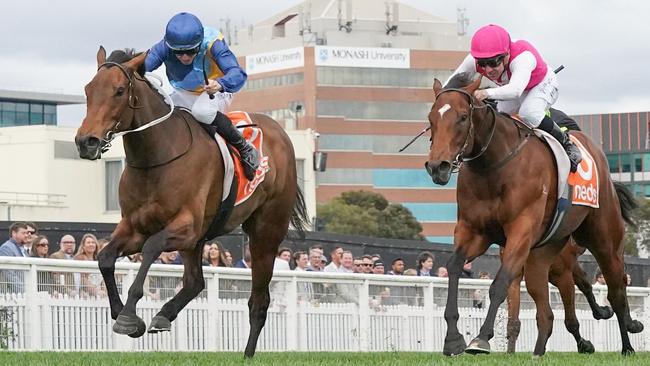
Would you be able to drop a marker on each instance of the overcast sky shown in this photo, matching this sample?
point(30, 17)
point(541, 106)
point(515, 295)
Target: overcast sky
point(605, 45)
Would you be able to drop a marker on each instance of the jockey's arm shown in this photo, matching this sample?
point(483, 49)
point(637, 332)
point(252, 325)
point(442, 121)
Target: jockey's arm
point(522, 68)
point(234, 76)
point(155, 56)
point(468, 65)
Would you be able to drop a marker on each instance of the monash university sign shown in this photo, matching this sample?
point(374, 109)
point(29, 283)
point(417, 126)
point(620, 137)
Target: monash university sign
point(277, 60)
point(398, 58)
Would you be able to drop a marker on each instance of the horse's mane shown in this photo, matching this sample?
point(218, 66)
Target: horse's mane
point(125, 55)
point(460, 80)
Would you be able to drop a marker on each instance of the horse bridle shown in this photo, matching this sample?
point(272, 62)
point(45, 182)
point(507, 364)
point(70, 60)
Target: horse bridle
point(133, 103)
point(460, 158)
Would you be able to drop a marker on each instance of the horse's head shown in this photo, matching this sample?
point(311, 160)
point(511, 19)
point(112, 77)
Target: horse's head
point(110, 101)
point(451, 125)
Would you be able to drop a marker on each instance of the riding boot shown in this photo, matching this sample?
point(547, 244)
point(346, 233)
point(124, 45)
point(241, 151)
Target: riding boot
point(575, 156)
point(248, 155)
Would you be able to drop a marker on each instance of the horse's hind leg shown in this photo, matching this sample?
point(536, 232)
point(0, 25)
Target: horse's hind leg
point(581, 280)
point(563, 280)
point(193, 284)
point(605, 241)
point(266, 230)
point(123, 242)
point(514, 305)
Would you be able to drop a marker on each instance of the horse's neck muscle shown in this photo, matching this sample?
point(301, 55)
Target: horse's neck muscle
point(504, 140)
point(154, 145)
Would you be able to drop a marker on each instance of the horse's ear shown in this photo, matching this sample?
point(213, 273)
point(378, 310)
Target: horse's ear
point(101, 56)
point(474, 85)
point(437, 86)
point(136, 62)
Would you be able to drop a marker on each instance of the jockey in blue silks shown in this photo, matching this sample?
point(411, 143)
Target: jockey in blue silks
point(204, 74)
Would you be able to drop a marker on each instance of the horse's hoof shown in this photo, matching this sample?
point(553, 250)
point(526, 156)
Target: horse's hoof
point(159, 324)
point(635, 326)
point(603, 312)
point(454, 345)
point(585, 347)
point(132, 326)
point(478, 347)
point(628, 351)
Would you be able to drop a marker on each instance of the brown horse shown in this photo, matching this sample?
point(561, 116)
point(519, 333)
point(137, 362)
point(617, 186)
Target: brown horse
point(171, 190)
point(565, 273)
point(506, 192)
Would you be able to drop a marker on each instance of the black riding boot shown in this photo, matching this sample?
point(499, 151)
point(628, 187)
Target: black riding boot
point(575, 156)
point(249, 156)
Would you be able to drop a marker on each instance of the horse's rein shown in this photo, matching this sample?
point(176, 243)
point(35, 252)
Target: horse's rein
point(133, 104)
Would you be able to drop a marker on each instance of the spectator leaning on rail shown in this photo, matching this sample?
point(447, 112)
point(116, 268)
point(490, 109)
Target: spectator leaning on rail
point(13, 281)
point(193, 56)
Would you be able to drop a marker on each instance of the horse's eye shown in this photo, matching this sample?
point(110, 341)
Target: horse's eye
point(120, 91)
point(463, 118)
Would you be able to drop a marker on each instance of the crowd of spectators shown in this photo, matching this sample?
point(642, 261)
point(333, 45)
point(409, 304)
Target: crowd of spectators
point(25, 241)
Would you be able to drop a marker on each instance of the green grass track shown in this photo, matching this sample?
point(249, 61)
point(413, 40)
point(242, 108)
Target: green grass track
point(316, 358)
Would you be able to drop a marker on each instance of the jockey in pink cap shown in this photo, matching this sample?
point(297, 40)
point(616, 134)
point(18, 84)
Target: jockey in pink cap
point(526, 85)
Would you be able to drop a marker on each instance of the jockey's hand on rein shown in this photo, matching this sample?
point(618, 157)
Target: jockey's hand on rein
point(212, 87)
point(481, 94)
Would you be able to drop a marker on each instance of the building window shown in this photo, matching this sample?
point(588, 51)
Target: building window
point(49, 114)
point(113, 174)
point(23, 114)
point(614, 165)
point(358, 76)
point(35, 114)
point(274, 81)
point(395, 111)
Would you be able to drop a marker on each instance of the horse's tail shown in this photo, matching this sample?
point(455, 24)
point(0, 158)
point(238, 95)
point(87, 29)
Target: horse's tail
point(299, 216)
point(627, 202)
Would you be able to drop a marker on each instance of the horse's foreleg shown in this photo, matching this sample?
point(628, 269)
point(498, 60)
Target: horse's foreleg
point(466, 245)
point(193, 284)
point(123, 242)
point(536, 276)
point(514, 305)
point(514, 256)
point(128, 322)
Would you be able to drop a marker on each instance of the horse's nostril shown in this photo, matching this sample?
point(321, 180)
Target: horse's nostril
point(92, 142)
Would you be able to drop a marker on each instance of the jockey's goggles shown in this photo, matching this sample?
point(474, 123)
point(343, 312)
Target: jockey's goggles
point(491, 62)
point(190, 51)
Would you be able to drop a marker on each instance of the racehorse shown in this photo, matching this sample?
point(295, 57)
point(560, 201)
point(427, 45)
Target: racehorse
point(565, 273)
point(507, 194)
point(171, 190)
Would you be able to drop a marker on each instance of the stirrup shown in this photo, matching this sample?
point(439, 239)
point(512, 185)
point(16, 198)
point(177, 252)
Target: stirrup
point(250, 162)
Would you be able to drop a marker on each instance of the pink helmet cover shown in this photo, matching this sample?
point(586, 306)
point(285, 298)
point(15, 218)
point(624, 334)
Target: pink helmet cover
point(489, 41)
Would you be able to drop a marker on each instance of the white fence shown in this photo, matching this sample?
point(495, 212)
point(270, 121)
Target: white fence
point(57, 309)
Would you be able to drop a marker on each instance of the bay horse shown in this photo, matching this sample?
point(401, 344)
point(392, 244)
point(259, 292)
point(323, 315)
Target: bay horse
point(507, 194)
point(565, 273)
point(171, 190)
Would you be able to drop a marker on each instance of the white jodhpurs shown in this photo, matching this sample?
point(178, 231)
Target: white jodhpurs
point(533, 104)
point(203, 108)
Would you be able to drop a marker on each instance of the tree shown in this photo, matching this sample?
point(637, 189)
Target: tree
point(639, 237)
point(368, 213)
